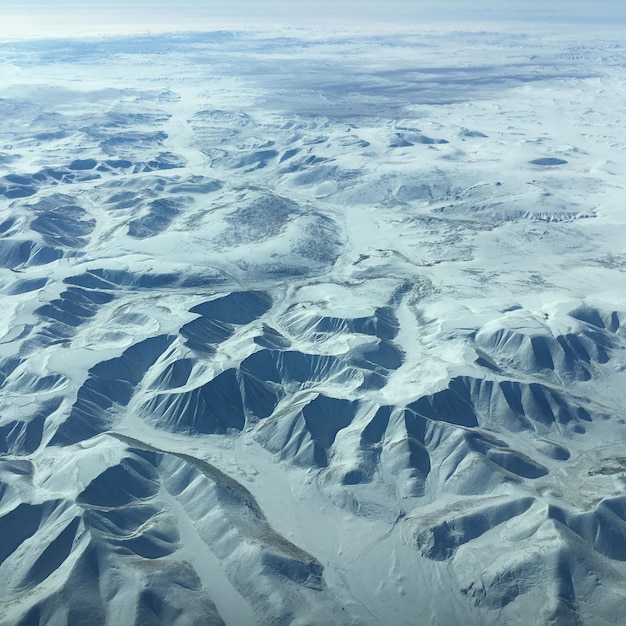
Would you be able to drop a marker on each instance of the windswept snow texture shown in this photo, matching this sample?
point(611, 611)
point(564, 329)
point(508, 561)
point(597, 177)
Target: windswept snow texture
point(314, 329)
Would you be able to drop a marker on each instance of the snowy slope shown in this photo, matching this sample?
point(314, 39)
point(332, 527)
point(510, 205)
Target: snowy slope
point(318, 329)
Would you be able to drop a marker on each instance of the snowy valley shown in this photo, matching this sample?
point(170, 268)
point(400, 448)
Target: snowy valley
point(313, 328)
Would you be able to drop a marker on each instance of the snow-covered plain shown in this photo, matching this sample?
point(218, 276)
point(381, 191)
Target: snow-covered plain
point(307, 328)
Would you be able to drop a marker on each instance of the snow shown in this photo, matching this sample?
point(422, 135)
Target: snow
point(313, 327)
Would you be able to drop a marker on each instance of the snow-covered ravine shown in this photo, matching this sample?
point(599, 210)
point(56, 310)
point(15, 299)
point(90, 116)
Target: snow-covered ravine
point(313, 329)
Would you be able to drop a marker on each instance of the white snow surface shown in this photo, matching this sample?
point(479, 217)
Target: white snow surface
point(314, 328)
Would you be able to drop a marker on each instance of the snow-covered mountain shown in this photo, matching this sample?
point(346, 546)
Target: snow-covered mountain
point(313, 329)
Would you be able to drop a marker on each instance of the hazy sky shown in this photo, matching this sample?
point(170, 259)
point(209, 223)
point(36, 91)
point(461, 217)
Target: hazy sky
point(61, 17)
